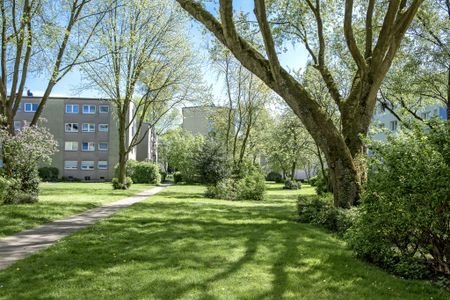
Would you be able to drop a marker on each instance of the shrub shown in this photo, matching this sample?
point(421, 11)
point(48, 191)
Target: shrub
point(313, 181)
point(274, 176)
point(48, 173)
point(145, 172)
point(251, 186)
point(163, 176)
point(404, 224)
point(122, 186)
point(177, 177)
point(320, 210)
point(212, 163)
point(291, 185)
point(321, 183)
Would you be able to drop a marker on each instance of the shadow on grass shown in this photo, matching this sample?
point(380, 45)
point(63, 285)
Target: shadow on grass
point(202, 250)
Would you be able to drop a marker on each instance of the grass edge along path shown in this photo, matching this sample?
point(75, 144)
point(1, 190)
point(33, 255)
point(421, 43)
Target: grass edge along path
point(179, 245)
point(18, 246)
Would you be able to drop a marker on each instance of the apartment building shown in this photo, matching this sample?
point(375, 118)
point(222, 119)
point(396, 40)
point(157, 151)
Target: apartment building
point(198, 120)
point(87, 134)
point(384, 119)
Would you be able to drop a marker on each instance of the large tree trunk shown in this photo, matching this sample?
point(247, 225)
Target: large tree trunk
point(293, 167)
point(123, 155)
point(448, 94)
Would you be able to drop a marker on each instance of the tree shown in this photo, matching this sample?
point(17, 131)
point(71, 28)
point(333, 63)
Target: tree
point(146, 67)
point(383, 26)
point(41, 34)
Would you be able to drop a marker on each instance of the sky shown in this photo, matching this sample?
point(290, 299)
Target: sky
point(293, 59)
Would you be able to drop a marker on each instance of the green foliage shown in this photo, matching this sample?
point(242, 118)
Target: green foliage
point(181, 148)
point(163, 176)
point(177, 177)
point(313, 180)
point(48, 173)
point(320, 210)
point(274, 176)
point(247, 183)
point(404, 221)
point(212, 162)
point(321, 183)
point(21, 154)
point(122, 186)
point(146, 172)
point(291, 185)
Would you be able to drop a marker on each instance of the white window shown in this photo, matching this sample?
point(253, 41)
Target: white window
point(88, 127)
point(70, 164)
point(88, 146)
point(103, 146)
point(72, 108)
point(71, 127)
point(19, 108)
point(87, 165)
point(31, 107)
point(102, 165)
point(71, 146)
point(103, 109)
point(17, 125)
point(103, 127)
point(426, 115)
point(88, 109)
point(394, 125)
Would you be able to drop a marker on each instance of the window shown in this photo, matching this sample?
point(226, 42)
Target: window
point(31, 107)
point(70, 165)
point(17, 125)
point(103, 109)
point(87, 165)
point(72, 108)
point(71, 127)
point(88, 146)
point(394, 125)
point(381, 125)
point(102, 165)
point(88, 127)
point(88, 109)
point(103, 146)
point(103, 127)
point(71, 146)
point(19, 108)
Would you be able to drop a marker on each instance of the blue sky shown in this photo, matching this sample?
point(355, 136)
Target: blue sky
point(70, 85)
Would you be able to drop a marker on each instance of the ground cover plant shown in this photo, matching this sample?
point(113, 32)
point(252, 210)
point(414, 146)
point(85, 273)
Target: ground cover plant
point(179, 245)
point(59, 200)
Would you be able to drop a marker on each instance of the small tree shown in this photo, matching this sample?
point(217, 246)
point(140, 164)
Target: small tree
point(212, 162)
point(29, 147)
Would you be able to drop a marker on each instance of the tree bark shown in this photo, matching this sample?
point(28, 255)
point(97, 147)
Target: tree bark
point(294, 166)
point(123, 155)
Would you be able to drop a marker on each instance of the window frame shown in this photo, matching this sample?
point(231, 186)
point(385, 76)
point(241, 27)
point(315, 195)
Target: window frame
point(71, 131)
point(89, 127)
point(105, 149)
point(90, 112)
point(88, 144)
point(87, 169)
point(103, 106)
point(103, 124)
point(105, 168)
point(76, 165)
point(72, 106)
point(71, 148)
point(34, 107)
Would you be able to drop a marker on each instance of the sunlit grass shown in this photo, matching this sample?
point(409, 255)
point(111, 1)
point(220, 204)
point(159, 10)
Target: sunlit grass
point(59, 200)
point(179, 245)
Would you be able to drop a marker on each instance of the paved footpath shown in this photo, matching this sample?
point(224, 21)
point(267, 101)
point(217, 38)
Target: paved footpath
point(15, 247)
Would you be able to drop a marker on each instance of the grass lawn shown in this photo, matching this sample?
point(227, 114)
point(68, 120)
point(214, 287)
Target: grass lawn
point(59, 200)
point(178, 245)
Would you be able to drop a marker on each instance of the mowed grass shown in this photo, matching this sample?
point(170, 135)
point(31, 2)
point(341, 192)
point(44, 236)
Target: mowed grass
point(179, 245)
point(59, 200)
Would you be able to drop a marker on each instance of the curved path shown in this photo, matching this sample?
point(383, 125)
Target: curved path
point(17, 246)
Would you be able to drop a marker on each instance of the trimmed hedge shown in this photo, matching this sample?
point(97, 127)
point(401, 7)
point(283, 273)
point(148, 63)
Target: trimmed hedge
point(48, 173)
point(292, 185)
point(274, 176)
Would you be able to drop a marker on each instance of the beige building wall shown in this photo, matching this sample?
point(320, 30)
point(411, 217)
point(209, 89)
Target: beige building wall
point(197, 119)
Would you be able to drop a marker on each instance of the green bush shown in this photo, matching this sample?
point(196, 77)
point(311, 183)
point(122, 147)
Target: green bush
point(320, 210)
point(177, 177)
point(313, 181)
point(274, 176)
point(10, 192)
point(212, 163)
point(145, 172)
point(321, 183)
point(247, 183)
point(122, 186)
point(403, 224)
point(291, 185)
point(163, 176)
point(48, 173)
